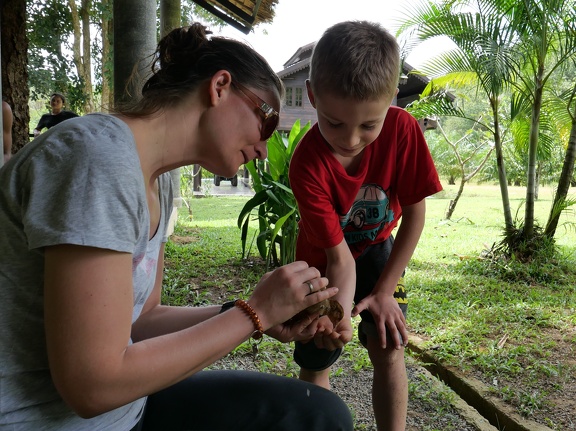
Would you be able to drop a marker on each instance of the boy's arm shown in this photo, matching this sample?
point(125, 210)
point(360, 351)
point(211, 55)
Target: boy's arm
point(381, 302)
point(341, 273)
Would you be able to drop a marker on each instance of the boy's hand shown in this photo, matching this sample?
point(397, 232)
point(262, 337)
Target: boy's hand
point(330, 338)
point(386, 314)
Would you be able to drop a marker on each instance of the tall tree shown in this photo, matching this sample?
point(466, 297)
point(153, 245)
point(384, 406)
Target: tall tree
point(546, 40)
point(14, 64)
point(568, 105)
point(170, 18)
point(68, 33)
point(82, 52)
point(170, 15)
point(135, 20)
point(106, 65)
point(483, 54)
point(49, 29)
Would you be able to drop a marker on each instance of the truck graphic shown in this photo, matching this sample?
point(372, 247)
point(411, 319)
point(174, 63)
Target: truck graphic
point(368, 214)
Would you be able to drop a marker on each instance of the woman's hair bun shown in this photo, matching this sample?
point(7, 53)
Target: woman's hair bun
point(182, 44)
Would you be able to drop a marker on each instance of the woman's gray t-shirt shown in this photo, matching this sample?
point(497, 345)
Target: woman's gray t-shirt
point(79, 183)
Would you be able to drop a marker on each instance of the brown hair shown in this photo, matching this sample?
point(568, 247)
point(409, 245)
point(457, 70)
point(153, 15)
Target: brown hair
point(356, 59)
point(186, 57)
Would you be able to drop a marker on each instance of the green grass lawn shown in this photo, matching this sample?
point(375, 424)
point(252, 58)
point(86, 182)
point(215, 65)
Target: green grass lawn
point(513, 325)
point(465, 307)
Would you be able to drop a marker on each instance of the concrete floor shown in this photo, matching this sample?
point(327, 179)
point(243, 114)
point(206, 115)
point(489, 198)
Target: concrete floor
point(226, 189)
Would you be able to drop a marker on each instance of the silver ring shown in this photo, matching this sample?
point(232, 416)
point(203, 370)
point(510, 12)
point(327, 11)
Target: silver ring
point(310, 286)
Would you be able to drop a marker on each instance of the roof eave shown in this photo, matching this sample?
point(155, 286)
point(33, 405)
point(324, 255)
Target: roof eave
point(252, 12)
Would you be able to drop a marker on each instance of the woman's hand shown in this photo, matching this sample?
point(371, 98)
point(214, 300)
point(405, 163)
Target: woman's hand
point(284, 292)
point(301, 330)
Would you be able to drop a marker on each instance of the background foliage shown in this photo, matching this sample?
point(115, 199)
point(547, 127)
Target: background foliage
point(274, 201)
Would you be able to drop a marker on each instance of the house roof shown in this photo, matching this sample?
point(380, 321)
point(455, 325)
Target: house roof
point(241, 14)
point(301, 53)
point(414, 85)
point(293, 68)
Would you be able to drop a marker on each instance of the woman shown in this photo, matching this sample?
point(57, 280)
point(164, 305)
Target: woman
point(85, 343)
point(57, 114)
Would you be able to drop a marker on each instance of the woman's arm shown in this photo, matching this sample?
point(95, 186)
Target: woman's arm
point(88, 308)
point(157, 319)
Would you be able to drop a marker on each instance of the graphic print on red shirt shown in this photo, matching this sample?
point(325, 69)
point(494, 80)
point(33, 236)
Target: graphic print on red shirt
point(396, 170)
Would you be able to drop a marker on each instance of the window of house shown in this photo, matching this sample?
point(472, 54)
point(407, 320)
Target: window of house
point(288, 96)
point(298, 97)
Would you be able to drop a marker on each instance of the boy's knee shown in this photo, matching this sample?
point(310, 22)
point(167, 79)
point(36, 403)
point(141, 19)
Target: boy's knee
point(310, 357)
point(388, 357)
point(367, 330)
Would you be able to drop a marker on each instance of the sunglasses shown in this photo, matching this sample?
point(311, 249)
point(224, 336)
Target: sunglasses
point(270, 117)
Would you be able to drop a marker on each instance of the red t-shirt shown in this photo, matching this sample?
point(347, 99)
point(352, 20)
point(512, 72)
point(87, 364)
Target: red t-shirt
point(396, 170)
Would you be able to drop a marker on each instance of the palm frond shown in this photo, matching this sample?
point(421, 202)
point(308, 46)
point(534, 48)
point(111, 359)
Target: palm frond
point(434, 105)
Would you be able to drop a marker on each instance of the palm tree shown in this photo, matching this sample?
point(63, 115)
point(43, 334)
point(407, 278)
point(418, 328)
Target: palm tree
point(566, 104)
point(546, 41)
point(484, 53)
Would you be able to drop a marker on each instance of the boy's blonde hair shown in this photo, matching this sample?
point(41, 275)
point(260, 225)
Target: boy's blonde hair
point(356, 59)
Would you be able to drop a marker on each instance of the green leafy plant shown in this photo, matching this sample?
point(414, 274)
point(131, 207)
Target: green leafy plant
point(273, 202)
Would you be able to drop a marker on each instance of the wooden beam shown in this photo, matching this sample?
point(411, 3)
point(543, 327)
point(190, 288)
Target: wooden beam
point(243, 27)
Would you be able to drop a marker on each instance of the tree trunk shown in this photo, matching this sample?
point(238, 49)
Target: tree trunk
point(14, 68)
point(86, 75)
point(170, 16)
point(107, 42)
point(82, 51)
point(563, 182)
point(197, 181)
point(532, 156)
point(537, 180)
point(454, 202)
point(135, 20)
point(500, 164)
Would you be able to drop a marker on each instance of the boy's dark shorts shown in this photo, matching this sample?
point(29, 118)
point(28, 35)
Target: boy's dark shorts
point(368, 268)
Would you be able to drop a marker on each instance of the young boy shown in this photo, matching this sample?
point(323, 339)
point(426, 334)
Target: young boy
point(362, 166)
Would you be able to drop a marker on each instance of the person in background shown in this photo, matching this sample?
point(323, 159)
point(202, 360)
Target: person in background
point(56, 115)
point(7, 120)
point(360, 168)
point(85, 343)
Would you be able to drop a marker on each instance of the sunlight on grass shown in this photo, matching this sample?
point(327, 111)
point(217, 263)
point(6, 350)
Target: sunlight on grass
point(213, 212)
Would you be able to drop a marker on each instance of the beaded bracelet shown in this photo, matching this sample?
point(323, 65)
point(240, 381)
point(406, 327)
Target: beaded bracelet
point(244, 306)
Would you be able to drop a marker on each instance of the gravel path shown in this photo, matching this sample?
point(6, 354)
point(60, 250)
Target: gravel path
point(428, 407)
